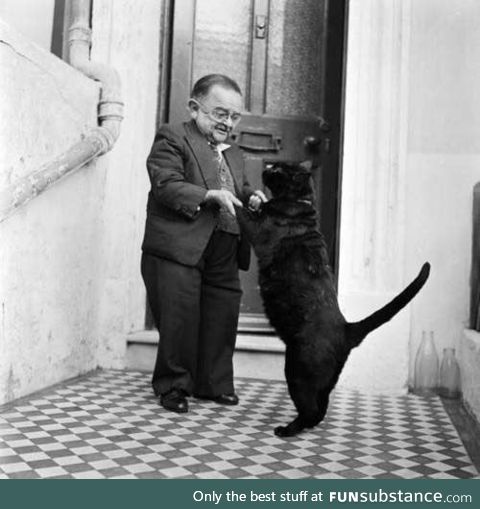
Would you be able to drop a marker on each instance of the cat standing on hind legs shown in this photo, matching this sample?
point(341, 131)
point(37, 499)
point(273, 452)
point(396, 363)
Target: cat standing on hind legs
point(299, 295)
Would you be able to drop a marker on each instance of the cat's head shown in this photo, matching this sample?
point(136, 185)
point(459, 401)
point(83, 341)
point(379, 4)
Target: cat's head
point(289, 181)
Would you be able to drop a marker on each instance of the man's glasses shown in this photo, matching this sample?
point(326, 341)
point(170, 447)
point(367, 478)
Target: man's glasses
point(219, 114)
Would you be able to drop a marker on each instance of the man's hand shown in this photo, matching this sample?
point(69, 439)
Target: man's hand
point(256, 200)
point(223, 197)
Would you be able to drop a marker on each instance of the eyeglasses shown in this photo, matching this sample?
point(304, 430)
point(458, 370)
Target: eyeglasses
point(219, 114)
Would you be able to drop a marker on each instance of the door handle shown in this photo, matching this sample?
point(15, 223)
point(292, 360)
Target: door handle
point(313, 144)
point(311, 141)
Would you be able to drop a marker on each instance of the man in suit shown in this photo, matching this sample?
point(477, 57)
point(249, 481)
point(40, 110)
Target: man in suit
point(193, 246)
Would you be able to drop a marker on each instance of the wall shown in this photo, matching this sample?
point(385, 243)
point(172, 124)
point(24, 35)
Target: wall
point(32, 18)
point(443, 167)
point(469, 358)
point(49, 248)
point(443, 160)
point(372, 216)
point(412, 149)
point(70, 286)
point(126, 35)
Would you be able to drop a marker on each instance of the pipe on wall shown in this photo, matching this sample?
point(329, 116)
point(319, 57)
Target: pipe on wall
point(97, 141)
point(110, 108)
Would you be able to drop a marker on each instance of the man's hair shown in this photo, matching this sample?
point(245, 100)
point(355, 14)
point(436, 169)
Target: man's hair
point(203, 85)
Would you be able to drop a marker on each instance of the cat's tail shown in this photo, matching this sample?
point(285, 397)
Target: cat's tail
point(357, 331)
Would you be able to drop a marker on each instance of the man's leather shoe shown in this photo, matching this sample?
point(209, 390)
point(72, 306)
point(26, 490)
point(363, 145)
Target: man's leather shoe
point(226, 399)
point(175, 400)
point(222, 399)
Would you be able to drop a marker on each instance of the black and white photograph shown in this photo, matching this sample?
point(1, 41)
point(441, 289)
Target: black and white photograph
point(240, 239)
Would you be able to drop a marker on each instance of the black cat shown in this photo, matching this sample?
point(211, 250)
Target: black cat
point(299, 295)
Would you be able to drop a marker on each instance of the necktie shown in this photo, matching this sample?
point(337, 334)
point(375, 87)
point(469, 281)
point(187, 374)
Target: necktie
point(226, 222)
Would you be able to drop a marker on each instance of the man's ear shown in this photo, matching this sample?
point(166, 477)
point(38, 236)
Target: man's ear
point(306, 165)
point(192, 107)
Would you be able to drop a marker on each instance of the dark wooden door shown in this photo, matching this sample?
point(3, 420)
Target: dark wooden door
point(287, 57)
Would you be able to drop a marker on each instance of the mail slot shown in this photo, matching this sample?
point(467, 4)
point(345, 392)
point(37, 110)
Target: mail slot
point(258, 141)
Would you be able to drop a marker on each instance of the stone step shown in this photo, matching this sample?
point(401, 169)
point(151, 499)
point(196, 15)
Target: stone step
point(250, 323)
point(246, 341)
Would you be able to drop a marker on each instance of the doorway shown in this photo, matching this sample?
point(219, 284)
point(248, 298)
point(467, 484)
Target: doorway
point(288, 58)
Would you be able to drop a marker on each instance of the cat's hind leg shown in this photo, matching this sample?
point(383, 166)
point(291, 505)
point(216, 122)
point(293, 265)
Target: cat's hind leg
point(304, 396)
point(323, 398)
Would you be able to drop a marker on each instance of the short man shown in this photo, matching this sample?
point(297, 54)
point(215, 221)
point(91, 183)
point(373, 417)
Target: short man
point(193, 247)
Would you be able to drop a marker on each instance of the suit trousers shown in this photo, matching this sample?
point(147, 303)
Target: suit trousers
point(195, 310)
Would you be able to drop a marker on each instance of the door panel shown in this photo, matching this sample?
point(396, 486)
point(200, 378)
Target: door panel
point(221, 38)
point(280, 53)
point(295, 58)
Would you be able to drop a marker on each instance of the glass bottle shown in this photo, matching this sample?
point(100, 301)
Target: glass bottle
point(426, 367)
point(449, 375)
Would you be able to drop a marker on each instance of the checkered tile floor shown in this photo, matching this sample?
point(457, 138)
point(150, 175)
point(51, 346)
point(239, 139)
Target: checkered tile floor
point(109, 425)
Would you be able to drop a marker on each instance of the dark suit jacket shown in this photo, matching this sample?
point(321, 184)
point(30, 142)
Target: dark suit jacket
point(182, 167)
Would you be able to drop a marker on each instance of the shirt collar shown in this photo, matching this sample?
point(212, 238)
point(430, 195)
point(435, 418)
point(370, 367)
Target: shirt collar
point(221, 147)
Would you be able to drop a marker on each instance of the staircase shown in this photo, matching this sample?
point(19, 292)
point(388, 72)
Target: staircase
point(258, 352)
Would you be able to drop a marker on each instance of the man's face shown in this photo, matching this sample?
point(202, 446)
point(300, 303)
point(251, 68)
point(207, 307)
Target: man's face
point(220, 102)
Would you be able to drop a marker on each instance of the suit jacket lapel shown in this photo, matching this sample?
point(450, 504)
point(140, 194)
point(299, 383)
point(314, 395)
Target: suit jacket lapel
point(204, 155)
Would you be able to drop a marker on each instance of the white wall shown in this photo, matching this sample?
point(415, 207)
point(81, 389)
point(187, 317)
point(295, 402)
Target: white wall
point(126, 35)
point(412, 156)
point(469, 357)
point(443, 160)
point(372, 220)
point(70, 285)
point(49, 248)
point(32, 18)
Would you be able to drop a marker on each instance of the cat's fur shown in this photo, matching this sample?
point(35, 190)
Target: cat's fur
point(299, 295)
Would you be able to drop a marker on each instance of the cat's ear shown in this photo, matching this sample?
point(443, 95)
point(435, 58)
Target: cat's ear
point(306, 165)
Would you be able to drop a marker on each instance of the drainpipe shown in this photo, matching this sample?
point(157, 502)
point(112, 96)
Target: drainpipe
point(110, 108)
point(96, 142)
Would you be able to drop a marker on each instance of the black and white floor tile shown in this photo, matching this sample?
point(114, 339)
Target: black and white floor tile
point(109, 425)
